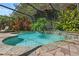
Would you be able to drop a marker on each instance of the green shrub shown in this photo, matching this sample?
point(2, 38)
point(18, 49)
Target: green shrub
point(68, 20)
point(39, 25)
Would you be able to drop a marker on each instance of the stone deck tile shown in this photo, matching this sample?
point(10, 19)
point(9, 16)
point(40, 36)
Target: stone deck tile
point(72, 41)
point(65, 50)
point(33, 54)
point(46, 54)
point(17, 50)
point(61, 50)
point(53, 52)
point(49, 48)
point(74, 50)
point(4, 49)
point(45, 49)
point(58, 52)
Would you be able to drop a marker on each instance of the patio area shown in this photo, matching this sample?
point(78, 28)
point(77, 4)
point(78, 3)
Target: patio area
point(63, 48)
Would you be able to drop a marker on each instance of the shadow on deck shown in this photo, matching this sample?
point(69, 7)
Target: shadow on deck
point(29, 52)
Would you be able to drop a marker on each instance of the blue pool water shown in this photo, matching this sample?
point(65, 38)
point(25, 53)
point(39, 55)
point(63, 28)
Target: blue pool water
point(35, 39)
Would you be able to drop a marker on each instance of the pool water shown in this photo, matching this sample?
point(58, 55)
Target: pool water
point(12, 40)
point(34, 39)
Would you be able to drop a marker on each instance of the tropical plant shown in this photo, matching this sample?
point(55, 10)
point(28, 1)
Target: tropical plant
point(39, 25)
point(4, 20)
point(20, 24)
point(68, 20)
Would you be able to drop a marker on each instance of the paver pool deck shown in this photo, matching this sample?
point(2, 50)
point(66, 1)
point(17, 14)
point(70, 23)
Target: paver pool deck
point(62, 48)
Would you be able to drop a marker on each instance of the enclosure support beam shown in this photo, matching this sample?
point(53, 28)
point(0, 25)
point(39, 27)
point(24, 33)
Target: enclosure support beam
point(16, 11)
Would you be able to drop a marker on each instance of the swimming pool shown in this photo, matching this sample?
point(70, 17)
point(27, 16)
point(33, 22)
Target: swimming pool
point(32, 39)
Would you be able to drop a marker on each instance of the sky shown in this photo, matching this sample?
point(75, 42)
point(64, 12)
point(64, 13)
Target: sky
point(4, 11)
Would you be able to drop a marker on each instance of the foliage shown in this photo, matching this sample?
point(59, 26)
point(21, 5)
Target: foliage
point(68, 20)
point(20, 24)
point(15, 24)
point(39, 25)
point(4, 20)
